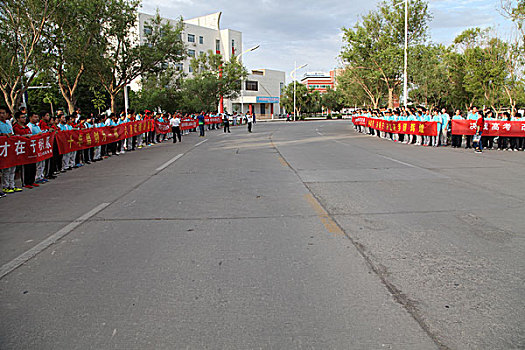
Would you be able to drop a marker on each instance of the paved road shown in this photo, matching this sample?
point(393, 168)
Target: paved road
point(304, 235)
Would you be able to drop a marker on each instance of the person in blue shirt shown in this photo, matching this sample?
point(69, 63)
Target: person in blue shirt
point(436, 117)
point(8, 174)
point(201, 121)
point(35, 130)
point(445, 120)
point(473, 115)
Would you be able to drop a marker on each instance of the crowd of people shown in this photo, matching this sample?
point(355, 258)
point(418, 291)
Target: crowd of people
point(24, 123)
point(444, 135)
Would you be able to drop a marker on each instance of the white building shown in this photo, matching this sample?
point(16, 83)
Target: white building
point(261, 89)
point(260, 94)
point(200, 35)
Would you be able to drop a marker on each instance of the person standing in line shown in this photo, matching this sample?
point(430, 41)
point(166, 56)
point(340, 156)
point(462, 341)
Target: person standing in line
point(39, 166)
point(457, 139)
point(514, 141)
point(175, 128)
point(8, 174)
point(97, 153)
point(201, 119)
point(445, 120)
point(20, 128)
point(473, 115)
point(436, 118)
point(226, 122)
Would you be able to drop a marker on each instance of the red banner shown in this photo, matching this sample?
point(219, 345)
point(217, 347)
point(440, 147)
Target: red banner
point(215, 119)
point(188, 123)
point(75, 140)
point(162, 128)
point(502, 128)
point(359, 121)
point(411, 127)
point(19, 150)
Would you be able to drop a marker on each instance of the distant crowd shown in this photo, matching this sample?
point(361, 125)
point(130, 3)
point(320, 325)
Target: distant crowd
point(24, 123)
point(444, 136)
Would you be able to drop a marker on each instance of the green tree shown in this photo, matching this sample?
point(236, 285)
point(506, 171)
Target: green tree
point(98, 100)
point(355, 94)
point(76, 44)
point(373, 48)
point(160, 91)
point(429, 76)
point(126, 60)
point(304, 98)
point(333, 100)
point(212, 78)
point(484, 66)
point(22, 49)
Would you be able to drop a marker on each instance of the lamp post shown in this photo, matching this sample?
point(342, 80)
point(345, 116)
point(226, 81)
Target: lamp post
point(405, 71)
point(292, 74)
point(405, 78)
point(242, 88)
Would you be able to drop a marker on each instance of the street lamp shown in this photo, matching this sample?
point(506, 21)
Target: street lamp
point(242, 89)
point(405, 78)
point(292, 74)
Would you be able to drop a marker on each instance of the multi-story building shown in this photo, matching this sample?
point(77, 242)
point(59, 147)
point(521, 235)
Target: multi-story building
point(260, 94)
point(200, 35)
point(261, 90)
point(321, 81)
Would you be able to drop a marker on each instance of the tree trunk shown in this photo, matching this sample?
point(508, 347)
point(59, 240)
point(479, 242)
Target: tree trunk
point(391, 98)
point(70, 106)
point(113, 97)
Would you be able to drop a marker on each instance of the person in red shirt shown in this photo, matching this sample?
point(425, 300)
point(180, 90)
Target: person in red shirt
point(20, 128)
point(44, 121)
point(480, 123)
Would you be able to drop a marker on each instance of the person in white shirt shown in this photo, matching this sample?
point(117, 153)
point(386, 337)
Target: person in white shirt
point(175, 128)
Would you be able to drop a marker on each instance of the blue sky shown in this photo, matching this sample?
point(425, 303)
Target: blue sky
point(310, 31)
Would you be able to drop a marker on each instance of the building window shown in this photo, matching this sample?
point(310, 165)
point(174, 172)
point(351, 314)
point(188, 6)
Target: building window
point(201, 53)
point(218, 45)
point(179, 67)
point(191, 53)
point(190, 69)
point(233, 46)
point(201, 40)
point(191, 38)
point(252, 85)
point(148, 30)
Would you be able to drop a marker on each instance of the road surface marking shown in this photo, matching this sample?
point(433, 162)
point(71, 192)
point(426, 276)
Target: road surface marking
point(169, 162)
point(200, 143)
point(400, 162)
point(327, 221)
point(22, 259)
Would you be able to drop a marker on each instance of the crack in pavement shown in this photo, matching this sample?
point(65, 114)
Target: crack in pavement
point(378, 269)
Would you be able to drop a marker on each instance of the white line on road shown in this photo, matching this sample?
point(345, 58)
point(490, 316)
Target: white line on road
point(22, 259)
point(165, 165)
point(400, 162)
point(200, 143)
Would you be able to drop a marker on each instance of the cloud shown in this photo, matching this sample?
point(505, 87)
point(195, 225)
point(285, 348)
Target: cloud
point(309, 31)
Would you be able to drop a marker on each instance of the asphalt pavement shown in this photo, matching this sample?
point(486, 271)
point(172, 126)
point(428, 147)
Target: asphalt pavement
point(301, 235)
